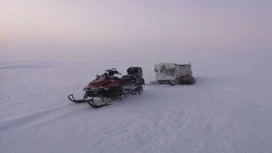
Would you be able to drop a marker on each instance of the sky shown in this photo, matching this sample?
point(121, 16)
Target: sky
point(29, 28)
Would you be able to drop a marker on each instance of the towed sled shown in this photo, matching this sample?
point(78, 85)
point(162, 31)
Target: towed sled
point(172, 73)
point(108, 87)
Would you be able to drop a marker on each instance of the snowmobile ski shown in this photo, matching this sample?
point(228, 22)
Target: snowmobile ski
point(91, 103)
point(72, 99)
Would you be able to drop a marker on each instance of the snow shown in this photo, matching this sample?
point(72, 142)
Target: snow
point(228, 110)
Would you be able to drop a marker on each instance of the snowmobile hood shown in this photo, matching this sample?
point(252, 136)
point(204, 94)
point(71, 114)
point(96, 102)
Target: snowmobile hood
point(102, 83)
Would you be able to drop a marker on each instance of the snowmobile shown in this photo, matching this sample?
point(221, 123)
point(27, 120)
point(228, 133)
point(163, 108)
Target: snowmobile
point(172, 73)
point(108, 87)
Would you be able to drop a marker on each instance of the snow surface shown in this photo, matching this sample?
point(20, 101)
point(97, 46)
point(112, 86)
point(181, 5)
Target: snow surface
point(229, 109)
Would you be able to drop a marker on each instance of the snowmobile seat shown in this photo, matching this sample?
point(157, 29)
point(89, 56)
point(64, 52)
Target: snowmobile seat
point(127, 79)
point(135, 71)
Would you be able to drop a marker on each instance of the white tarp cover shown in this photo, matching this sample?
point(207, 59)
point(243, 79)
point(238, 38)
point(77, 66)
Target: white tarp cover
point(171, 71)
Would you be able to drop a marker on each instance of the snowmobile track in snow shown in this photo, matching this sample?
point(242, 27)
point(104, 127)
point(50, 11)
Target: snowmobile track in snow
point(36, 118)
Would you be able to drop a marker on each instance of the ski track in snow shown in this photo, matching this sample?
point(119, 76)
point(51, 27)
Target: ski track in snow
point(215, 115)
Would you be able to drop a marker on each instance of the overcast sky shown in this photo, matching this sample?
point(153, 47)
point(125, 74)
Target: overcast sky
point(132, 24)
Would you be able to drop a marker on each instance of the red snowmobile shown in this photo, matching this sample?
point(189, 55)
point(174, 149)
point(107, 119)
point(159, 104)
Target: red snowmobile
point(109, 86)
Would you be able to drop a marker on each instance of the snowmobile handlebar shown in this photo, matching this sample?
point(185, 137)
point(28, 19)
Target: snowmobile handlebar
point(113, 71)
point(109, 72)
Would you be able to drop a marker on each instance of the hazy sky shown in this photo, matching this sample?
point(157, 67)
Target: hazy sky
point(132, 24)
